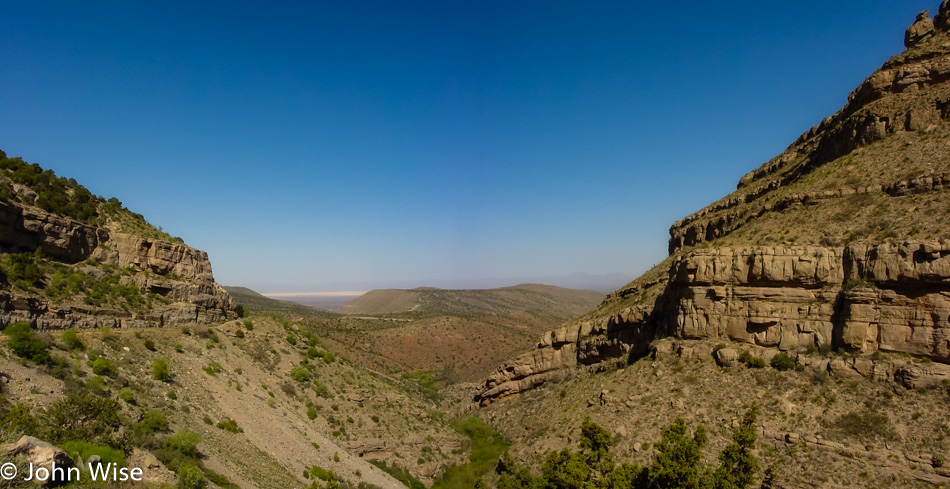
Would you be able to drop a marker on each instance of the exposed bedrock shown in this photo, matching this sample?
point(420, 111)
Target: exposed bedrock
point(862, 297)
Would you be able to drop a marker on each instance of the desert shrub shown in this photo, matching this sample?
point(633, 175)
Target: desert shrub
point(71, 340)
point(149, 344)
point(239, 333)
point(18, 419)
point(191, 477)
point(320, 389)
point(81, 417)
point(25, 344)
point(288, 389)
point(311, 411)
point(23, 271)
point(96, 385)
point(249, 324)
point(212, 368)
point(229, 425)
point(184, 444)
point(160, 370)
point(783, 361)
point(179, 348)
point(292, 339)
point(104, 366)
point(240, 310)
point(126, 394)
point(318, 472)
point(153, 421)
point(300, 373)
point(751, 361)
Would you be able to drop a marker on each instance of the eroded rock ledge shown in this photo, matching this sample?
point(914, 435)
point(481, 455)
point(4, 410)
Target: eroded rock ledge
point(861, 297)
point(181, 275)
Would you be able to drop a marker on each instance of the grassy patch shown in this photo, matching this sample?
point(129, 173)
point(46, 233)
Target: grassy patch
point(487, 445)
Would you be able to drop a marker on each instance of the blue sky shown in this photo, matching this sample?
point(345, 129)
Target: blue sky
point(333, 144)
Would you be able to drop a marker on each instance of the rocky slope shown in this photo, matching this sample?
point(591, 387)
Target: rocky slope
point(57, 227)
point(840, 241)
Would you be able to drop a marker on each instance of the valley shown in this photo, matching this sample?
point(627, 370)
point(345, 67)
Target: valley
point(796, 336)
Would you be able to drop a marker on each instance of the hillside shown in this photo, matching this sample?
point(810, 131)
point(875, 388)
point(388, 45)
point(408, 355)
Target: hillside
point(265, 305)
point(535, 299)
point(834, 257)
point(72, 259)
point(266, 398)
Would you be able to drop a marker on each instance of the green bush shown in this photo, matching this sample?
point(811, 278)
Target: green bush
point(149, 344)
point(72, 341)
point(104, 366)
point(191, 477)
point(25, 344)
point(126, 394)
point(229, 425)
point(23, 271)
point(300, 373)
point(96, 385)
point(81, 417)
point(212, 368)
point(160, 370)
point(184, 443)
point(18, 420)
point(751, 361)
point(783, 361)
point(153, 421)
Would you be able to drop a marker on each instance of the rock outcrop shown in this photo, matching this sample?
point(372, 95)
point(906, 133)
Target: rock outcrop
point(39, 454)
point(729, 280)
point(921, 29)
point(888, 297)
point(28, 229)
point(177, 274)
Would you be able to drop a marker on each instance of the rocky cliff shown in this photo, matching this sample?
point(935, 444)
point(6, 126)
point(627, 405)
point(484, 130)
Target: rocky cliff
point(841, 240)
point(156, 281)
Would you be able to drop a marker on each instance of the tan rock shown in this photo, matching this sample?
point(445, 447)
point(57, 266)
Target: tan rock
point(42, 454)
point(919, 30)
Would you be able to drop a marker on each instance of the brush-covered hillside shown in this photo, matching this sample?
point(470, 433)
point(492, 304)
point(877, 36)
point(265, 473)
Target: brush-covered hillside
point(69, 258)
point(819, 291)
point(256, 402)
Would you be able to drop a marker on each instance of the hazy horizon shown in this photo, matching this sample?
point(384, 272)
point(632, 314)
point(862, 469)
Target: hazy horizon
point(302, 144)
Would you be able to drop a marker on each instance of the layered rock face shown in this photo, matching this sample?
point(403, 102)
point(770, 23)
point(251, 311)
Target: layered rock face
point(177, 273)
point(888, 297)
point(28, 229)
point(859, 293)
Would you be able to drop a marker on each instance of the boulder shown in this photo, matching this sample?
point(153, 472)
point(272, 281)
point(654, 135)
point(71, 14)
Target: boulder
point(727, 357)
point(41, 454)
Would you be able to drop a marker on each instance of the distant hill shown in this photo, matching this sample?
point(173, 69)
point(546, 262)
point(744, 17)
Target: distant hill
point(265, 305)
point(542, 300)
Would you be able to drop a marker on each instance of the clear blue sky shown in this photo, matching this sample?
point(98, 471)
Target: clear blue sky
point(310, 144)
